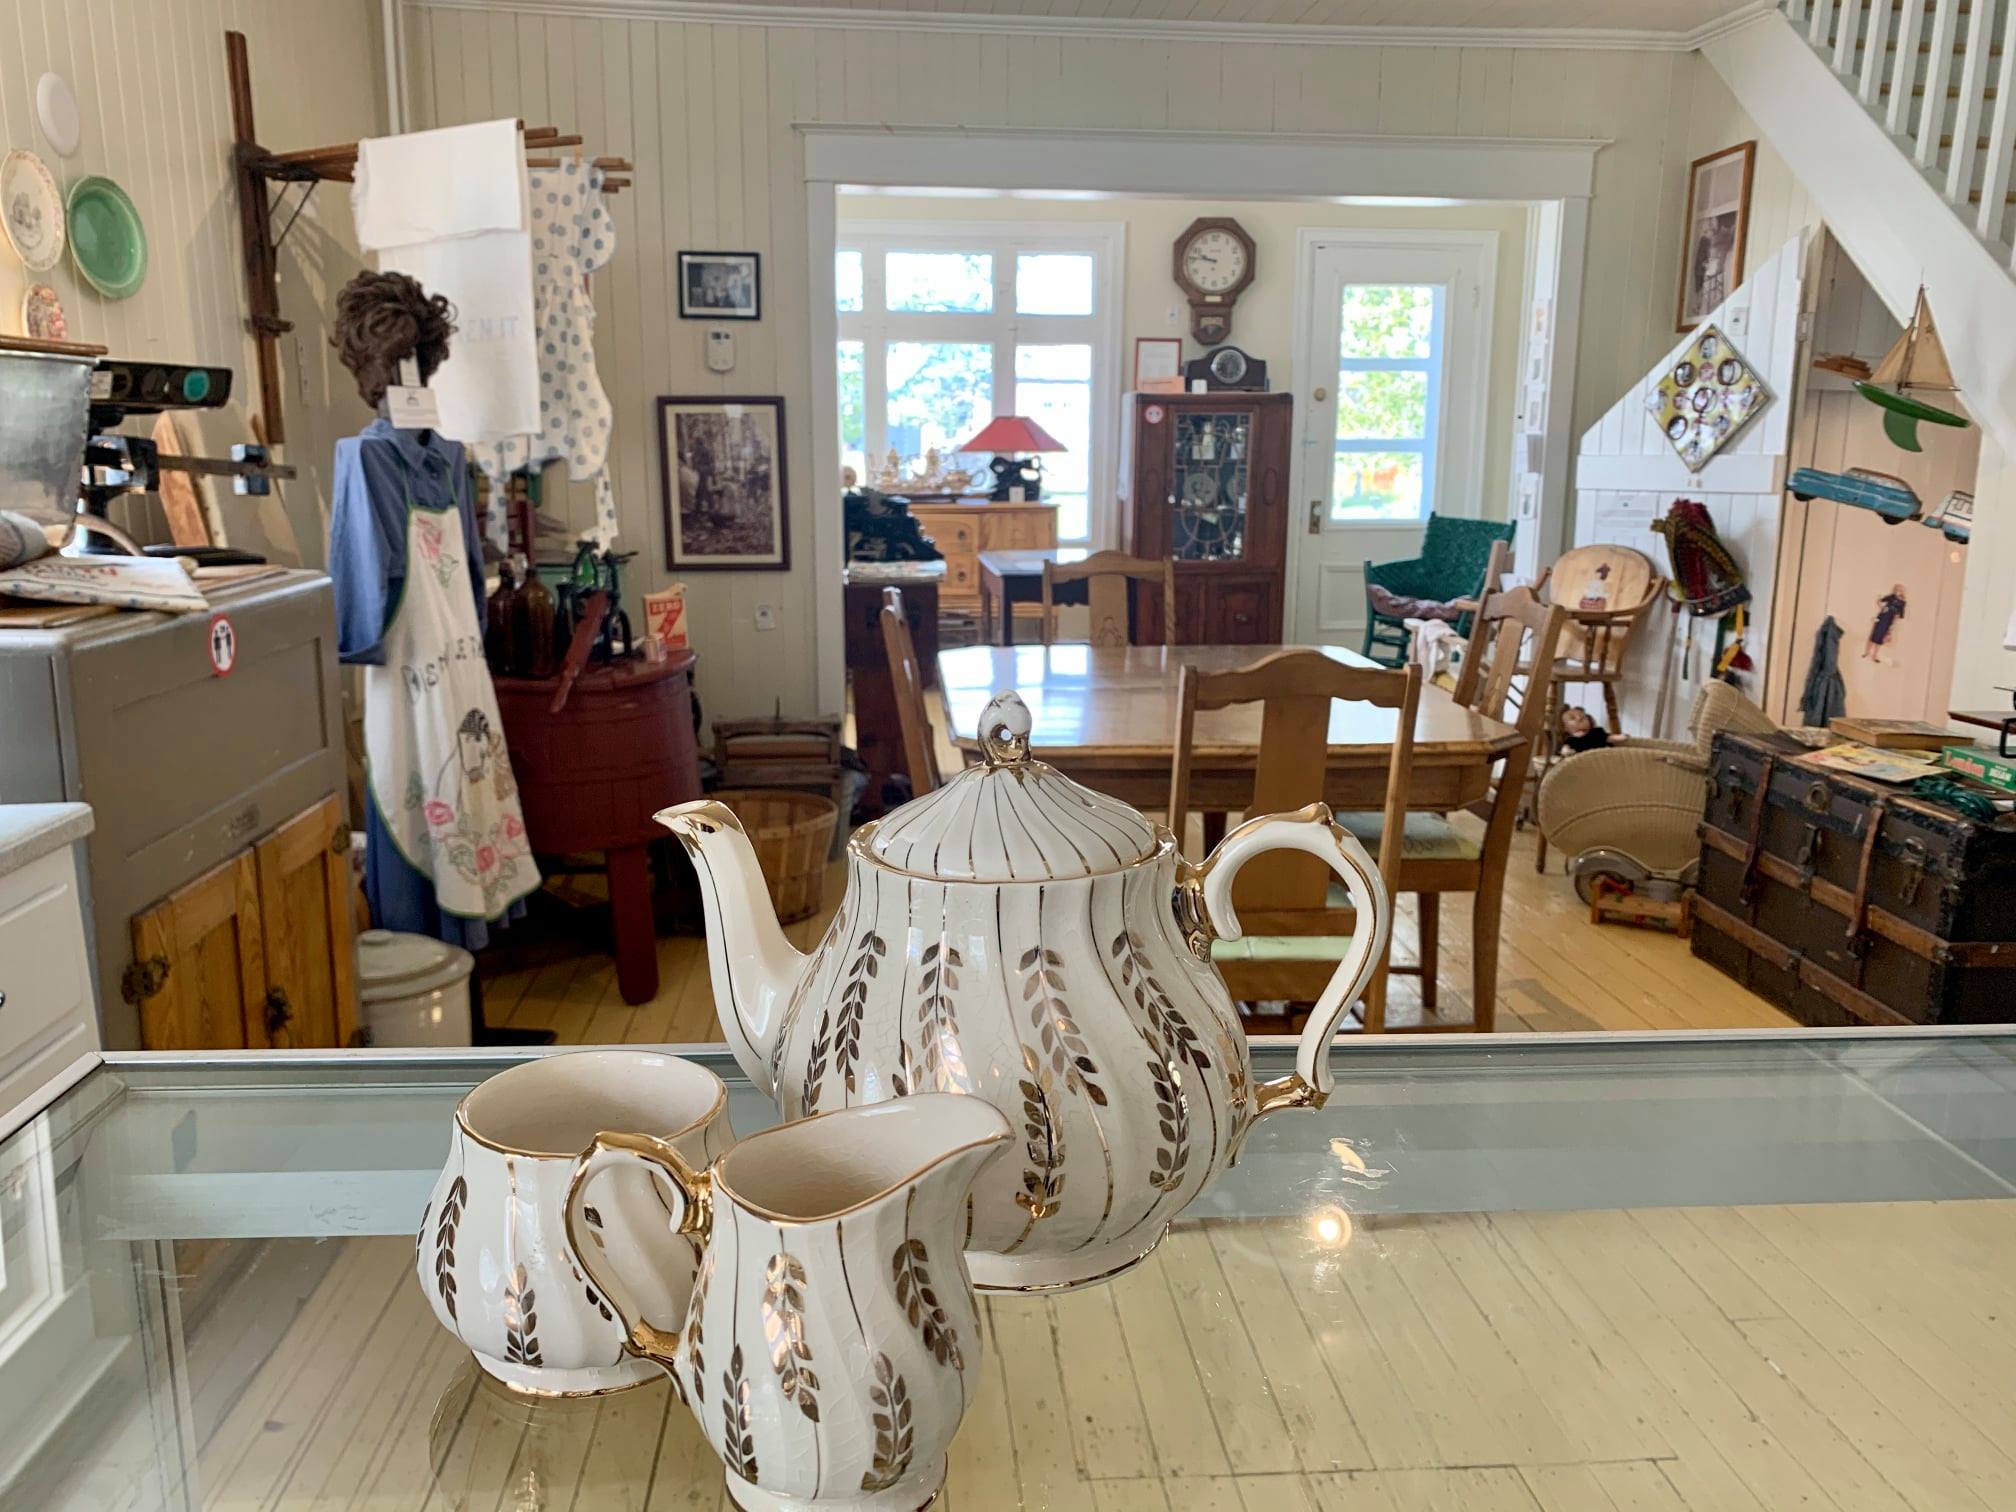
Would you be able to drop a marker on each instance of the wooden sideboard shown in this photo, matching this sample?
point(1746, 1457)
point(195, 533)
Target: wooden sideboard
point(962, 529)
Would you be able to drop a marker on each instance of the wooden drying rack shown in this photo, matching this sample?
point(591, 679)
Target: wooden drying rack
point(256, 172)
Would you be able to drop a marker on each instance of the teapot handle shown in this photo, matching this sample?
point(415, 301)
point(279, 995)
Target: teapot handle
point(1312, 830)
point(691, 1195)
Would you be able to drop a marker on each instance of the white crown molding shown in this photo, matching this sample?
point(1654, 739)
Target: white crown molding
point(1238, 165)
point(841, 18)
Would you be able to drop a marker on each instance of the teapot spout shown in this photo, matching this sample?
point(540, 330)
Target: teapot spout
point(754, 968)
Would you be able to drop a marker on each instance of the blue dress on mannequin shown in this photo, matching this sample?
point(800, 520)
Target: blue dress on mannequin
point(377, 472)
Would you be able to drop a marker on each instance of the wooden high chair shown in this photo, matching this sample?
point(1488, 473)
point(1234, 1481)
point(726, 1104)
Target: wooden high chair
point(1606, 591)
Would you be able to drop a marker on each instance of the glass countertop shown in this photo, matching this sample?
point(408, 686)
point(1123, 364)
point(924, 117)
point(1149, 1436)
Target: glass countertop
point(1662, 1272)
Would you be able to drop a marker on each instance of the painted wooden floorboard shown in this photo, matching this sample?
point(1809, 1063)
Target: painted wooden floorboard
point(1845, 1357)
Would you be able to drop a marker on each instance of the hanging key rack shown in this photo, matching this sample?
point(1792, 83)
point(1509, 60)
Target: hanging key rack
point(264, 180)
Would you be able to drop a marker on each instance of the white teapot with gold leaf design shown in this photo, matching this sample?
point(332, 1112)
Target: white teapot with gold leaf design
point(1019, 937)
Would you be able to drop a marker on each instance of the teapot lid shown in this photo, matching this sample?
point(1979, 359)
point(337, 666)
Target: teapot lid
point(1011, 818)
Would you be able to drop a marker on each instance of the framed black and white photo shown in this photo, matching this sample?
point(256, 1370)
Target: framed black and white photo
point(723, 488)
point(1717, 229)
point(720, 286)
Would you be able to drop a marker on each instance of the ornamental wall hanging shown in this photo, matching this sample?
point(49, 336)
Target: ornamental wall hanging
point(1707, 396)
point(1914, 365)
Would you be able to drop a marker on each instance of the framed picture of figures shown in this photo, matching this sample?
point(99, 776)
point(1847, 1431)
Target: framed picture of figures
point(1717, 229)
point(722, 483)
point(720, 286)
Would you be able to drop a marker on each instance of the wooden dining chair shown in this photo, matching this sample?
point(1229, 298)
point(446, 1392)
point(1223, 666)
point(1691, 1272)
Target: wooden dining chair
point(1295, 928)
point(920, 750)
point(1109, 578)
point(1437, 857)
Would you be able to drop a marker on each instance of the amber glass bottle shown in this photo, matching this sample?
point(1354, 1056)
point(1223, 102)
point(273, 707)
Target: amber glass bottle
point(535, 652)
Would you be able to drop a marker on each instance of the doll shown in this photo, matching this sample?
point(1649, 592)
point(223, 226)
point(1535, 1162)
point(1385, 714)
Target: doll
point(1581, 733)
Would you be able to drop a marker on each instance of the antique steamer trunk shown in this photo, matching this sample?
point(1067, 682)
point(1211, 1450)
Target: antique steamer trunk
point(1845, 901)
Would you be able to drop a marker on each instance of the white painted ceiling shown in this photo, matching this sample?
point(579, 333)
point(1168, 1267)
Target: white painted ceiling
point(1667, 16)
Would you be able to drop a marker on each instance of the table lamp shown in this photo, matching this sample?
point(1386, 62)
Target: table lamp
point(1007, 434)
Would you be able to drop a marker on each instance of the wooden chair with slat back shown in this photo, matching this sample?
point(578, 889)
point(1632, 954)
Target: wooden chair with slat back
point(1606, 590)
point(1295, 932)
point(1436, 857)
point(920, 750)
point(1109, 578)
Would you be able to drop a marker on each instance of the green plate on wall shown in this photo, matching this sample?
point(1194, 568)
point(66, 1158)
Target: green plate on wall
point(107, 241)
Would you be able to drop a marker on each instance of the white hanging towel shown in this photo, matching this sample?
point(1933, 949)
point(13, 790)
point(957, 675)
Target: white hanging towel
point(488, 389)
point(429, 185)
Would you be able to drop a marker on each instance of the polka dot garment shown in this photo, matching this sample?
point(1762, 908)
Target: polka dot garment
point(572, 236)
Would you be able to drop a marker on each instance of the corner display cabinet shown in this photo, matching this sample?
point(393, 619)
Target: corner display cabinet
point(1205, 481)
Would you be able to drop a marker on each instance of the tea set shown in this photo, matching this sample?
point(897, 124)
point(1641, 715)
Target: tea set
point(1007, 1067)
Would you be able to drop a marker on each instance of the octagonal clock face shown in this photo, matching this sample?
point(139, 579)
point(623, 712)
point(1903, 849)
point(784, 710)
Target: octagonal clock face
point(1215, 261)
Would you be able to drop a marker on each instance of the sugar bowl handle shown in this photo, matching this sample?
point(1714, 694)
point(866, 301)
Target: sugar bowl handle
point(690, 1195)
point(1314, 831)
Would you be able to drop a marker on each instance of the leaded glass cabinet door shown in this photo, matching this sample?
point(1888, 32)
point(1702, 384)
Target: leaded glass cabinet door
point(1206, 480)
point(1210, 482)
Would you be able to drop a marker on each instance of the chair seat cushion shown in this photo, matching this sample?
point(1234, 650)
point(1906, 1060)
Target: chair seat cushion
point(1429, 837)
point(1271, 948)
point(1402, 606)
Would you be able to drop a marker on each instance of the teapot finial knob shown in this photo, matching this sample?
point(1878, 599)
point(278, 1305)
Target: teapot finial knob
point(1004, 730)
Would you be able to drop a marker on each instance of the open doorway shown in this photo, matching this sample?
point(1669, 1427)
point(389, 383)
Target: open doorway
point(952, 309)
point(1151, 190)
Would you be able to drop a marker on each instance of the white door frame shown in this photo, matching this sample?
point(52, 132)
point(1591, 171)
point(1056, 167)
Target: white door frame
point(1313, 366)
point(1171, 165)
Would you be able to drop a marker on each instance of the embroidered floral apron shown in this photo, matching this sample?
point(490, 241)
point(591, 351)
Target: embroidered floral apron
point(438, 770)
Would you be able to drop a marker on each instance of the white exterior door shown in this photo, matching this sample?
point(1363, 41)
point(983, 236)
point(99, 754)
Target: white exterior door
point(1391, 365)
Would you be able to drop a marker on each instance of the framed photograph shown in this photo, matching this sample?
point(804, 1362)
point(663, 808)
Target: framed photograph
point(1158, 365)
point(722, 464)
point(720, 286)
point(1717, 228)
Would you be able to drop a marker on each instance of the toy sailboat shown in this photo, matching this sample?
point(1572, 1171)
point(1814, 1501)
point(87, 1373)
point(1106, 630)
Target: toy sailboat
point(1915, 364)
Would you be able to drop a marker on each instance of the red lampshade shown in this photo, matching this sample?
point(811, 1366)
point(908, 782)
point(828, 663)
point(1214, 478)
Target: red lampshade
point(1008, 435)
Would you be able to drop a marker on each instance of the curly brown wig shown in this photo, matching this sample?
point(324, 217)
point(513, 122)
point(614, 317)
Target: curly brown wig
point(383, 317)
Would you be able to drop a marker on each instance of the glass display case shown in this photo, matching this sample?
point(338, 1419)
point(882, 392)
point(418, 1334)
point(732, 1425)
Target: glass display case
point(1213, 474)
point(1204, 481)
point(1696, 1271)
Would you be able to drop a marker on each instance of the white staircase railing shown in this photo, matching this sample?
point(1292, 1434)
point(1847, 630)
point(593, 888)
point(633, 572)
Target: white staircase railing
point(1939, 76)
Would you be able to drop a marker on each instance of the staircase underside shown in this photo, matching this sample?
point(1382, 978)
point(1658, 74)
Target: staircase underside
point(1897, 227)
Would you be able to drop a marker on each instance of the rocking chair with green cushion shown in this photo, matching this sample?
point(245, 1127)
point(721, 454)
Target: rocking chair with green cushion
point(1455, 555)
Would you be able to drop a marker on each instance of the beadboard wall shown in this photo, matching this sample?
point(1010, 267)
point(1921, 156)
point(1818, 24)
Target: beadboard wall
point(156, 112)
point(707, 110)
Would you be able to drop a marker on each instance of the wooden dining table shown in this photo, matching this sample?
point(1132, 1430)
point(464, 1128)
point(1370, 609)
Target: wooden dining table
point(1106, 716)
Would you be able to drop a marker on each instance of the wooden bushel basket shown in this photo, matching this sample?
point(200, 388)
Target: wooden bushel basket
point(792, 833)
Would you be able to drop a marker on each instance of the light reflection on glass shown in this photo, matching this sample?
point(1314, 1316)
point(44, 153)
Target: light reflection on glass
point(1330, 1227)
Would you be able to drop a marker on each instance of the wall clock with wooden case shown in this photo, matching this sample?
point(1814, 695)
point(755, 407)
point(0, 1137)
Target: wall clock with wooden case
point(1205, 482)
point(1215, 261)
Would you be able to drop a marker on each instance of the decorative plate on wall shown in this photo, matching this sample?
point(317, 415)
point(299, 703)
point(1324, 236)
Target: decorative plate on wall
point(42, 314)
point(56, 109)
point(1708, 395)
point(31, 210)
point(107, 241)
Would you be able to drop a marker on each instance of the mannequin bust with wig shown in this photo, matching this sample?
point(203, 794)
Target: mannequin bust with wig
point(384, 318)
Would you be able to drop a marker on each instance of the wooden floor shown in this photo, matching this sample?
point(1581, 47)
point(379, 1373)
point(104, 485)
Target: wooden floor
point(1679, 1360)
point(1557, 971)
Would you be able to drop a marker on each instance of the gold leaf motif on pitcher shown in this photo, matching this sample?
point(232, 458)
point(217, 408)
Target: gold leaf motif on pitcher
point(784, 1331)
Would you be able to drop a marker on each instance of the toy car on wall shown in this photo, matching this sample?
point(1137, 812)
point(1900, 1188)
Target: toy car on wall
point(1955, 516)
point(1862, 487)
